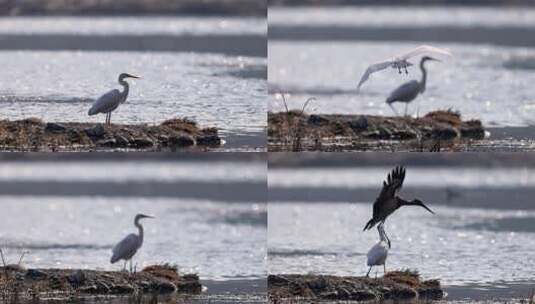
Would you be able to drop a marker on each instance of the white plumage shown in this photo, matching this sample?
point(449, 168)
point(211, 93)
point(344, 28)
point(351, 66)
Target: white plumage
point(379, 252)
point(400, 62)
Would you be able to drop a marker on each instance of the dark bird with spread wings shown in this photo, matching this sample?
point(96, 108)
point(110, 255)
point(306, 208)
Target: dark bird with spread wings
point(387, 202)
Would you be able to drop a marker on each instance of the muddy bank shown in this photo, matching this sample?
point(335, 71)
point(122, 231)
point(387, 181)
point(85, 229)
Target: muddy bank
point(15, 281)
point(33, 134)
point(395, 285)
point(436, 131)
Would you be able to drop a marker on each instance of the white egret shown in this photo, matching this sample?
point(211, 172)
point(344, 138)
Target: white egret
point(400, 62)
point(379, 252)
point(108, 102)
point(407, 92)
point(127, 248)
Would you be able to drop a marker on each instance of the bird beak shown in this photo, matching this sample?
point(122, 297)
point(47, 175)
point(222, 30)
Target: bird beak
point(133, 76)
point(422, 204)
point(148, 216)
point(434, 59)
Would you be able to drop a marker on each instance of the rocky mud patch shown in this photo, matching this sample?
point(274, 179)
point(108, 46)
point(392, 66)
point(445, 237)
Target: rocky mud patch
point(394, 286)
point(436, 131)
point(33, 134)
point(19, 283)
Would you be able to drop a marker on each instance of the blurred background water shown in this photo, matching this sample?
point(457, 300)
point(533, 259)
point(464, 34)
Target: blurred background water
point(323, 51)
point(479, 243)
point(70, 213)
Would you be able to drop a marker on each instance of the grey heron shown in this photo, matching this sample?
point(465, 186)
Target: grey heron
point(379, 252)
point(108, 102)
point(407, 92)
point(127, 247)
point(400, 62)
point(387, 202)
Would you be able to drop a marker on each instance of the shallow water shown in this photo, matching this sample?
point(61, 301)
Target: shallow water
point(216, 238)
point(133, 25)
point(385, 16)
point(57, 76)
point(197, 86)
point(480, 244)
point(482, 81)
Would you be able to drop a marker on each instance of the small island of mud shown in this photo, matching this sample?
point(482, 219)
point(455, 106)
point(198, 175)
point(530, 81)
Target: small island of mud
point(33, 134)
point(19, 283)
point(436, 131)
point(395, 285)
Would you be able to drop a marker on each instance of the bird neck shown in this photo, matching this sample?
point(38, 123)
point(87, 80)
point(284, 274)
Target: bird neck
point(140, 229)
point(126, 87)
point(424, 76)
point(402, 202)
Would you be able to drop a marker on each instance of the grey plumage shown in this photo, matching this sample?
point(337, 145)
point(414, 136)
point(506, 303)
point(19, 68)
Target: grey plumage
point(108, 102)
point(407, 92)
point(128, 247)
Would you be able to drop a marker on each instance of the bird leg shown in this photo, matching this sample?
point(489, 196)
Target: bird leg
point(393, 109)
point(109, 119)
point(384, 269)
point(124, 265)
point(406, 107)
point(368, 274)
point(106, 122)
point(399, 69)
point(130, 265)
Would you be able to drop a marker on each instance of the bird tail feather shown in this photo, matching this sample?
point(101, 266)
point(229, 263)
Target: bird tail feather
point(369, 225)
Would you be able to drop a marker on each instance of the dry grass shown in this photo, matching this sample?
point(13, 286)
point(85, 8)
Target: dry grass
point(294, 124)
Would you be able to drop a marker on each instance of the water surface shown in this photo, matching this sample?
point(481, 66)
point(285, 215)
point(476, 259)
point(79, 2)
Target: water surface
point(484, 81)
point(475, 244)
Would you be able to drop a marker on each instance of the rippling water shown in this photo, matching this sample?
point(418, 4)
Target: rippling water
point(492, 83)
point(50, 79)
point(202, 87)
point(217, 238)
point(132, 25)
point(482, 242)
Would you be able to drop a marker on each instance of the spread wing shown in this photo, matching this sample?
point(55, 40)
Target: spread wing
point(106, 103)
point(372, 69)
point(393, 183)
point(126, 248)
point(424, 49)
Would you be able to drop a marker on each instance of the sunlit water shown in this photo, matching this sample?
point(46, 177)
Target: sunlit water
point(218, 239)
point(133, 25)
point(217, 90)
point(482, 81)
point(392, 16)
point(61, 86)
point(460, 246)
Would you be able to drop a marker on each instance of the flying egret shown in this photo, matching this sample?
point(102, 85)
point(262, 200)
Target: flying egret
point(409, 91)
point(400, 62)
point(108, 102)
point(127, 248)
point(387, 202)
point(379, 252)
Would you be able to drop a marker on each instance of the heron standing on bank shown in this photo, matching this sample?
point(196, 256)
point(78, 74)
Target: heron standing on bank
point(128, 247)
point(108, 102)
point(409, 91)
point(387, 202)
point(379, 252)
